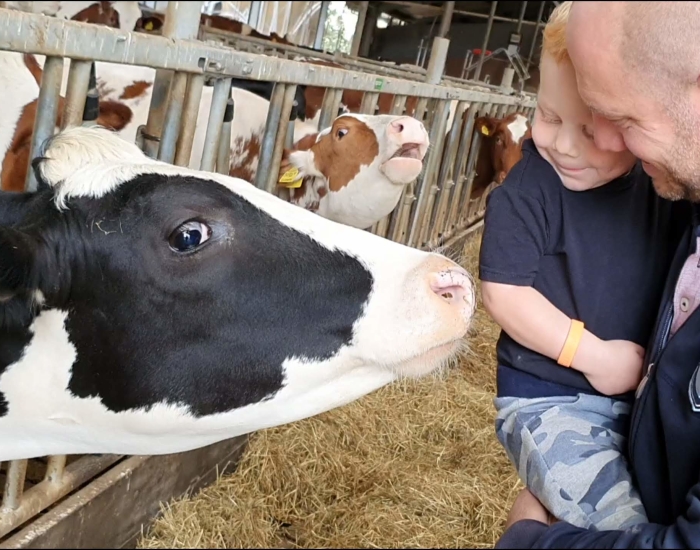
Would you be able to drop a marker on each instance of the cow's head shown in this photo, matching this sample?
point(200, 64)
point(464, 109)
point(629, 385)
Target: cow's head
point(99, 13)
point(354, 171)
point(503, 139)
point(152, 23)
point(149, 309)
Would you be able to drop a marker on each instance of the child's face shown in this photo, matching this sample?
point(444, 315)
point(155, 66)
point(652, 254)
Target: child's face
point(562, 132)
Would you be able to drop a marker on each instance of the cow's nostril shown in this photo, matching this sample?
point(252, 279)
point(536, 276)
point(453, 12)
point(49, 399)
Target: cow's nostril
point(399, 127)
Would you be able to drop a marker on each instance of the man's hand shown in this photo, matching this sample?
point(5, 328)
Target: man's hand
point(611, 366)
point(526, 506)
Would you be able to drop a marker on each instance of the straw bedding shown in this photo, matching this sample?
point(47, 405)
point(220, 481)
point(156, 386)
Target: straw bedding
point(415, 464)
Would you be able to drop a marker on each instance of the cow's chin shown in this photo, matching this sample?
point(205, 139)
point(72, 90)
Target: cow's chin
point(429, 361)
point(402, 170)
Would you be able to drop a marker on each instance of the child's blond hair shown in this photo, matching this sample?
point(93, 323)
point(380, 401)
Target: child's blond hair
point(554, 34)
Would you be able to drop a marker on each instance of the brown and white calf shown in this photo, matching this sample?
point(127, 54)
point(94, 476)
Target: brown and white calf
point(152, 309)
point(501, 148)
point(119, 15)
point(20, 77)
point(354, 171)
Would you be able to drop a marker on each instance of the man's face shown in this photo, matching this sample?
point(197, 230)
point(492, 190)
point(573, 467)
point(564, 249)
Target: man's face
point(625, 114)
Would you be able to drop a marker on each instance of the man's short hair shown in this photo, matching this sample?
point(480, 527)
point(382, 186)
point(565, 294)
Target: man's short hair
point(554, 34)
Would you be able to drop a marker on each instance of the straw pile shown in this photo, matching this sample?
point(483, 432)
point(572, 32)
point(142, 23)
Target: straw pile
point(415, 464)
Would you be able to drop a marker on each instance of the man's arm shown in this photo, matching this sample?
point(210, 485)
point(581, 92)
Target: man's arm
point(531, 533)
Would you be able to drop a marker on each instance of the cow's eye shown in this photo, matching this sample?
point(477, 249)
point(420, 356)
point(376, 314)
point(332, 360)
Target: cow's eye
point(189, 236)
point(342, 132)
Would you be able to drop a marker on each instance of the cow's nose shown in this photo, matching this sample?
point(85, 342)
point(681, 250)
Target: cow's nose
point(408, 127)
point(454, 287)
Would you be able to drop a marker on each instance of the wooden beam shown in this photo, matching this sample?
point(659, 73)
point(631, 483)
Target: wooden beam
point(111, 510)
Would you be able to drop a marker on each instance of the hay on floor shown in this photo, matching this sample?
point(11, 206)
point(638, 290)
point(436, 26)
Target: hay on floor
point(415, 464)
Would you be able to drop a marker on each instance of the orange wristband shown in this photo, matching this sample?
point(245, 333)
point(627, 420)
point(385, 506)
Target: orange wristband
point(566, 357)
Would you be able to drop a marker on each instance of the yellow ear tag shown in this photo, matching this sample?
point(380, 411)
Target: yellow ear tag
point(289, 179)
point(485, 130)
point(149, 26)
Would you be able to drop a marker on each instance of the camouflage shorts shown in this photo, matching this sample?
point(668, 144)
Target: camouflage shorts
point(569, 451)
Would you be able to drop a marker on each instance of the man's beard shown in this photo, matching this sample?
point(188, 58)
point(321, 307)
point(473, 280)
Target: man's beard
point(674, 186)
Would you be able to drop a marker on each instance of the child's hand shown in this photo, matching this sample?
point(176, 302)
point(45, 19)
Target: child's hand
point(611, 366)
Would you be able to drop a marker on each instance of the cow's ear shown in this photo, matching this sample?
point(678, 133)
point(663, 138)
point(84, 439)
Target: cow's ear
point(485, 125)
point(113, 115)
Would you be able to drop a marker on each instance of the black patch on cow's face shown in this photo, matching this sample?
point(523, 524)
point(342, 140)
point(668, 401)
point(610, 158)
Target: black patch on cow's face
point(209, 329)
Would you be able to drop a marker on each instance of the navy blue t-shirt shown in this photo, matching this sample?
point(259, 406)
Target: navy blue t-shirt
point(600, 256)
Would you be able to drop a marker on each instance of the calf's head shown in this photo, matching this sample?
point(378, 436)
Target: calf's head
point(150, 309)
point(354, 171)
point(502, 138)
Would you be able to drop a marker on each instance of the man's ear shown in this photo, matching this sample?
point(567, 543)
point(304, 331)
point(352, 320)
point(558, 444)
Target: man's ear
point(485, 125)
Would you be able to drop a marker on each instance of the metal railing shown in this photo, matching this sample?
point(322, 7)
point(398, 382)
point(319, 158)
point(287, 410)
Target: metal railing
point(433, 209)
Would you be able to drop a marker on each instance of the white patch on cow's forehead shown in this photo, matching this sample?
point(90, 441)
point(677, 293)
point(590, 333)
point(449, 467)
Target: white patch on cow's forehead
point(81, 162)
point(518, 128)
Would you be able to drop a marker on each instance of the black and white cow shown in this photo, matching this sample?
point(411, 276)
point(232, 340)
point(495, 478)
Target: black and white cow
point(152, 309)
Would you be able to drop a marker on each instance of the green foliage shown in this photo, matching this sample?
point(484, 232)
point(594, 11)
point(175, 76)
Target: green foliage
point(334, 37)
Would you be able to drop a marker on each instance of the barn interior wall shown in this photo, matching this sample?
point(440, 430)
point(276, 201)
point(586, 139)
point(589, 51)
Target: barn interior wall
point(401, 43)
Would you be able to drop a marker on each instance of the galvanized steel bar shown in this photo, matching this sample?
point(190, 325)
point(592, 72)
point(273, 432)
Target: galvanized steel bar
point(181, 21)
point(446, 20)
point(535, 34)
point(14, 487)
point(274, 116)
point(54, 468)
point(521, 17)
point(173, 117)
point(399, 232)
point(32, 33)
point(399, 105)
point(471, 167)
point(421, 108)
point(369, 103)
point(46, 112)
point(357, 37)
point(223, 156)
point(275, 156)
point(190, 113)
point(44, 494)
point(485, 43)
point(446, 175)
point(321, 26)
point(438, 58)
point(459, 170)
point(329, 107)
point(424, 187)
point(76, 93)
point(222, 89)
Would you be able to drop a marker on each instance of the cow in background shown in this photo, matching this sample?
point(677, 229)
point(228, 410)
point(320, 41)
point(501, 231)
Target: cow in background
point(501, 148)
point(355, 171)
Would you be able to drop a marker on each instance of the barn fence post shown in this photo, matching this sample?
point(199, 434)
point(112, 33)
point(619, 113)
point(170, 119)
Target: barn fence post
point(181, 21)
point(485, 43)
point(47, 111)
